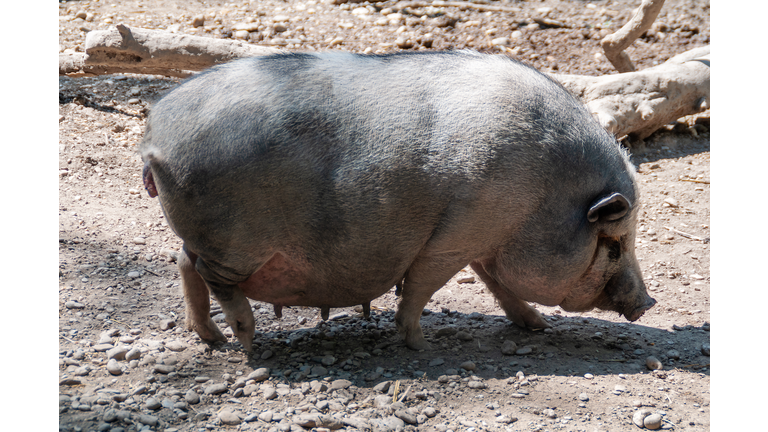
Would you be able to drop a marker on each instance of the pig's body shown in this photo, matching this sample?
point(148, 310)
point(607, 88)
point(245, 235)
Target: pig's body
point(324, 180)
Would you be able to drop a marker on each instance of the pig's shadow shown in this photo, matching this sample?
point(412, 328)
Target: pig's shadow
point(573, 347)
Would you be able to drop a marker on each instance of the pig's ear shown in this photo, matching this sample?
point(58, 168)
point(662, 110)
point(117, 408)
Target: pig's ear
point(609, 208)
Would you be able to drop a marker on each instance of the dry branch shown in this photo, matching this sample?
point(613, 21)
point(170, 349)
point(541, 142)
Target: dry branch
point(615, 44)
point(124, 50)
point(639, 103)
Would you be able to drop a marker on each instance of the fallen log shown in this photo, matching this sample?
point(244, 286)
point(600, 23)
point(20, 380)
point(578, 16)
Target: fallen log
point(136, 50)
point(636, 104)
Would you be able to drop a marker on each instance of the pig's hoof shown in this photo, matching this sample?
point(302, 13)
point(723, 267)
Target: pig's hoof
point(418, 343)
point(208, 332)
point(530, 318)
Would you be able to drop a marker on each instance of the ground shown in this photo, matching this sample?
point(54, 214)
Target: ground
point(119, 285)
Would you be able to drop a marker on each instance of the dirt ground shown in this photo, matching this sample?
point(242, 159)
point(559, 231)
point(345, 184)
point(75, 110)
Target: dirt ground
point(119, 285)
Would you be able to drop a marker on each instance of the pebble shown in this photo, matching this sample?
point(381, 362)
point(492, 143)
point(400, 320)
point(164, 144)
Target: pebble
point(639, 416)
point(524, 350)
point(429, 412)
point(705, 349)
point(436, 362)
point(198, 21)
point(468, 365)
point(176, 346)
point(133, 274)
point(192, 397)
point(228, 417)
point(447, 331)
point(508, 347)
point(164, 368)
point(653, 363)
point(258, 375)
point(73, 305)
point(619, 389)
point(653, 421)
point(406, 415)
point(167, 324)
point(147, 419)
point(583, 397)
point(133, 354)
point(215, 389)
point(103, 347)
point(550, 413)
point(139, 240)
point(464, 336)
point(114, 368)
point(502, 41)
point(340, 384)
point(118, 352)
point(152, 404)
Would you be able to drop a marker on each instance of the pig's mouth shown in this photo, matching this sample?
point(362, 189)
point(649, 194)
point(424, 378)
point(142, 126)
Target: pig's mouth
point(636, 313)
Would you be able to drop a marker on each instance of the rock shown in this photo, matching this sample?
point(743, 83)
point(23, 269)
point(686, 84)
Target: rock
point(464, 336)
point(133, 354)
point(340, 384)
point(550, 413)
point(382, 387)
point(267, 354)
point(266, 416)
point(229, 417)
point(508, 347)
point(147, 419)
point(403, 43)
point(191, 397)
point(446, 331)
point(164, 368)
point(653, 363)
point(198, 21)
point(502, 41)
point(382, 401)
point(103, 347)
point(176, 346)
point(705, 349)
point(259, 374)
point(118, 352)
point(215, 389)
point(167, 324)
point(639, 416)
point(269, 393)
point(583, 397)
point(477, 385)
point(152, 404)
point(406, 415)
point(653, 421)
point(73, 305)
point(429, 412)
point(114, 368)
point(619, 389)
point(468, 365)
point(524, 350)
point(139, 240)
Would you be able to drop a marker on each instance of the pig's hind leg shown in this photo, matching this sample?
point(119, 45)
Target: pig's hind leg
point(197, 299)
point(237, 310)
point(519, 311)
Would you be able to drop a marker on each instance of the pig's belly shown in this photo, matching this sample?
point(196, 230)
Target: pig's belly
point(289, 282)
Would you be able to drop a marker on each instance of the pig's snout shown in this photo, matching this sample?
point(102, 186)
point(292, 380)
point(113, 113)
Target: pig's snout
point(636, 313)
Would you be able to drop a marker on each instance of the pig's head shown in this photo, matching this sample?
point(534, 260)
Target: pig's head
point(577, 248)
point(612, 279)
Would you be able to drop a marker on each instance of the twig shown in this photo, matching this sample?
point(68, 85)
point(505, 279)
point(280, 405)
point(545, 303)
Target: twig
point(150, 271)
point(686, 235)
point(695, 181)
point(456, 4)
point(394, 393)
point(615, 44)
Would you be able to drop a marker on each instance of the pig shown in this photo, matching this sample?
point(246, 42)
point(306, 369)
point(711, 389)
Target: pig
point(326, 179)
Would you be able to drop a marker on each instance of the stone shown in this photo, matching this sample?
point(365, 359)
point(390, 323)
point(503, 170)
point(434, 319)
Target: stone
point(191, 397)
point(147, 419)
point(652, 421)
point(653, 363)
point(639, 417)
point(508, 347)
point(114, 368)
point(259, 375)
point(583, 397)
point(118, 352)
point(152, 404)
point(198, 21)
point(215, 389)
point(229, 417)
point(468, 365)
point(340, 384)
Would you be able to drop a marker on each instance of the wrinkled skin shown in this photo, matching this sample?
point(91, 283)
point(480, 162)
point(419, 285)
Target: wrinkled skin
point(320, 180)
